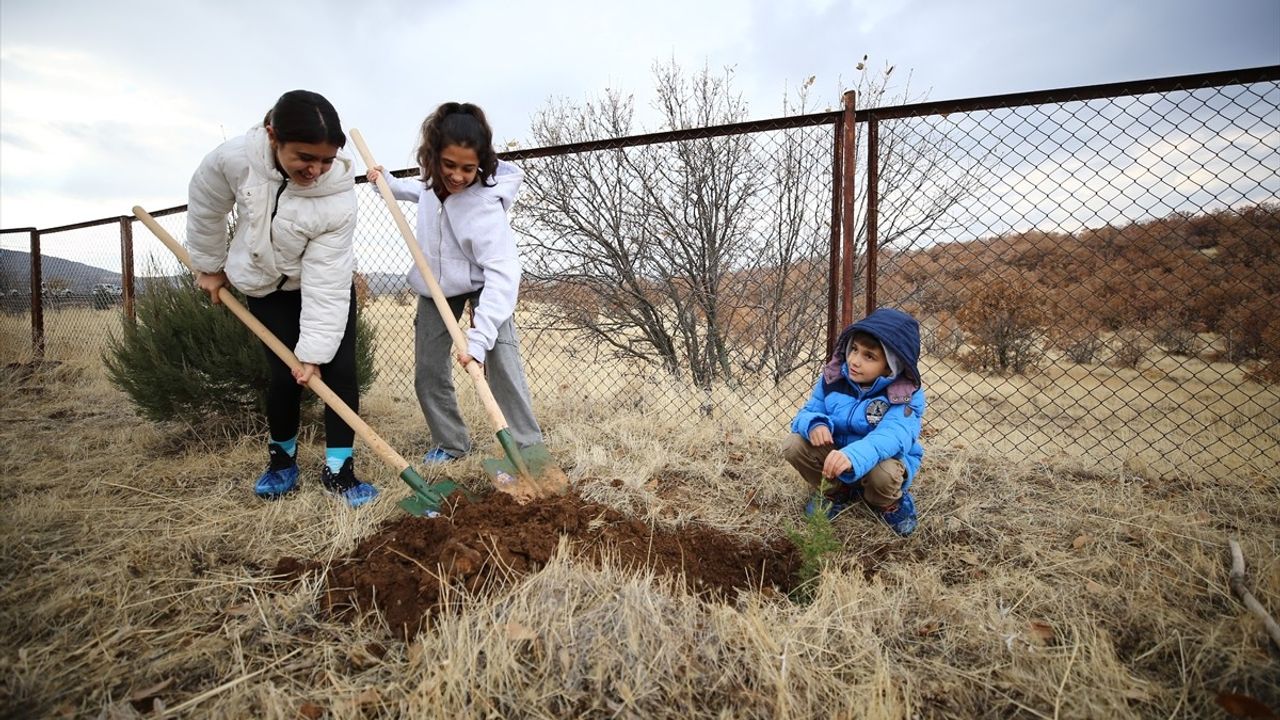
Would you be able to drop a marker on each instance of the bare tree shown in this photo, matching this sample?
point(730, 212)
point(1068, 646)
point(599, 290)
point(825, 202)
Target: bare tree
point(706, 256)
point(650, 235)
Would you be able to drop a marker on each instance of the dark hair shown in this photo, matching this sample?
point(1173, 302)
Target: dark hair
point(865, 339)
point(304, 116)
point(456, 124)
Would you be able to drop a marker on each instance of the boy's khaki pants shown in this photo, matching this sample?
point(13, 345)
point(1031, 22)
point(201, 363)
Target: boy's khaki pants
point(881, 487)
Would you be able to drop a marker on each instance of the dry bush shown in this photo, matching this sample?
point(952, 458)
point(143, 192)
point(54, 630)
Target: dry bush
point(1250, 330)
point(363, 293)
point(940, 335)
point(1177, 338)
point(1128, 348)
point(1080, 340)
point(1003, 319)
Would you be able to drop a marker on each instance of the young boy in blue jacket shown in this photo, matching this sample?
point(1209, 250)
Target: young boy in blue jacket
point(861, 426)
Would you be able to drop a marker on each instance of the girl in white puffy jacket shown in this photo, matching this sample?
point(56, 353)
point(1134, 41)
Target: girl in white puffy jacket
point(292, 257)
point(463, 198)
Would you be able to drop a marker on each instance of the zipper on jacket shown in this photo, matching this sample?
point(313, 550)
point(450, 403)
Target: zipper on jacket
point(271, 230)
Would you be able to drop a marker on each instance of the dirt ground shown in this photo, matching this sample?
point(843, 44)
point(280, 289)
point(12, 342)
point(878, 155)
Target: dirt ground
point(403, 569)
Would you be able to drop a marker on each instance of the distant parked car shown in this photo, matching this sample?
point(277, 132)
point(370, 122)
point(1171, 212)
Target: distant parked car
point(105, 295)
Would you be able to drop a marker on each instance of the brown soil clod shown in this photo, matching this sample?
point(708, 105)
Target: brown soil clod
point(403, 569)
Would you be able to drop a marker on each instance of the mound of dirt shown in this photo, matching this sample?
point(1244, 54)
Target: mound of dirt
point(401, 569)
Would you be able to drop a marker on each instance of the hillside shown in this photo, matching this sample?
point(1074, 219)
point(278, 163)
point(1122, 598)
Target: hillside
point(15, 273)
point(1216, 272)
point(80, 278)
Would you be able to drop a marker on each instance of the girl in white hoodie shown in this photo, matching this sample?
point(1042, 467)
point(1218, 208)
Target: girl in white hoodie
point(463, 198)
point(292, 257)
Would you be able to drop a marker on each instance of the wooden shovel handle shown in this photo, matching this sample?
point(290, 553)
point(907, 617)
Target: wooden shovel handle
point(330, 398)
point(474, 368)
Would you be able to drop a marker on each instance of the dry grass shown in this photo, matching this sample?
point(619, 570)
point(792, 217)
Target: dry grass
point(136, 567)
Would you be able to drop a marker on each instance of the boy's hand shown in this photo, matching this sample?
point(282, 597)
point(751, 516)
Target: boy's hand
point(820, 435)
point(836, 464)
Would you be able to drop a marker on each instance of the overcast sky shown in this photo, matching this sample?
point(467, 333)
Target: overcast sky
point(108, 105)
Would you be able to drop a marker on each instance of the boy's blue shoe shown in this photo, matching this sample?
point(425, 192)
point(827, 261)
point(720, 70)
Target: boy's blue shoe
point(344, 483)
point(837, 500)
point(903, 517)
point(281, 476)
point(833, 508)
point(437, 456)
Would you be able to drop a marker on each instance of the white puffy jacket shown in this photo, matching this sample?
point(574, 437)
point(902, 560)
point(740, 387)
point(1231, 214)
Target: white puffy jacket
point(469, 245)
point(307, 245)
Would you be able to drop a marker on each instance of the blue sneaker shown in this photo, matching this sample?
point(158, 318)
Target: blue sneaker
point(902, 518)
point(345, 484)
point(438, 456)
point(839, 499)
point(281, 476)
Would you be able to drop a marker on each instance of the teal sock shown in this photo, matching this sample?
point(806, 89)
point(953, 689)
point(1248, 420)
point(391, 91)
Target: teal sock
point(290, 446)
point(335, 457)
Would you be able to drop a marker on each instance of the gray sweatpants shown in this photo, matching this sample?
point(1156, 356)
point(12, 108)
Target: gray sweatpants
point(433, 379)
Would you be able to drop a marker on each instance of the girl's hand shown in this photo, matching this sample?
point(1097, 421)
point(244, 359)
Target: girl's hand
point(304, 374)
point(374, 173)
point(464, 359)
point(820, 435)
point(211, 283)
point(836, 464)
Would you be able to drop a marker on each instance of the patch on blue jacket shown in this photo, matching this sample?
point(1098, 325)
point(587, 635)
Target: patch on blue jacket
point(876, 410)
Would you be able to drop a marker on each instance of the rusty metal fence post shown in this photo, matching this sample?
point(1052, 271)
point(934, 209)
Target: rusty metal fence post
point(37, 299)
point(126, 266)
point(833, 262)
point(873, 208)
point(847, 170)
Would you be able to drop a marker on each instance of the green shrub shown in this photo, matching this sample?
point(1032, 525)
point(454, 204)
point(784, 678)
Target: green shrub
point(185, 360)
point(814, 540)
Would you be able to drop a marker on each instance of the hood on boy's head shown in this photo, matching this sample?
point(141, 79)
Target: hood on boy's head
point(899, 335)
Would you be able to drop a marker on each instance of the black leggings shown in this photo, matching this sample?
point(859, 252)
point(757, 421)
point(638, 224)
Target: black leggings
point(280, 312)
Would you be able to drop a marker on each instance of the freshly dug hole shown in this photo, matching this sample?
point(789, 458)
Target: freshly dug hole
point(403, 568)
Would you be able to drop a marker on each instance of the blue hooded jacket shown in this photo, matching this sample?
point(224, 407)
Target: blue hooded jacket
point(872, 424)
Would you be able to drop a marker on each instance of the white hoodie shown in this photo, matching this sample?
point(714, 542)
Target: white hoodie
point(469, 245)
point(308, 244)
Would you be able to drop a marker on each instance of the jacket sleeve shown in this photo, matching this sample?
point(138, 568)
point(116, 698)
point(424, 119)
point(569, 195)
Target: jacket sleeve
point(401, 188)
point(486, 237)
point(813, 413)
point(327, 265)
point(210, 198)
point(893, 437)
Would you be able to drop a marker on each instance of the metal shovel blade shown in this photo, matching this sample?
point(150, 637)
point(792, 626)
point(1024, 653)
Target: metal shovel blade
point(544, 476)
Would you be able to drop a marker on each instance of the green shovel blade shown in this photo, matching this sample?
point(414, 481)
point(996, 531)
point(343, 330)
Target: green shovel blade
point(427, 498)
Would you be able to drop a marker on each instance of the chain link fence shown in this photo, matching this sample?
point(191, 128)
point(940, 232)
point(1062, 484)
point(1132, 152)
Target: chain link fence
point(1100, 276)
point(1095, 270)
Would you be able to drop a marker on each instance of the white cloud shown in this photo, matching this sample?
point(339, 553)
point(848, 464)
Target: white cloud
point(78, 138)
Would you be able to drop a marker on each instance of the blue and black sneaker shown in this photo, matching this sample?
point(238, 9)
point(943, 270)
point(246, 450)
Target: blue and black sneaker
point(345, 484)
point(902, 517)
point(281, 476)
point(438, 456)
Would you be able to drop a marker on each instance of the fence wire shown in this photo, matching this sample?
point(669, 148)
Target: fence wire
point(1097, 275)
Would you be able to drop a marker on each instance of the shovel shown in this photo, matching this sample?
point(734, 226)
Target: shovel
point(427, 499)
point(528, 472)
